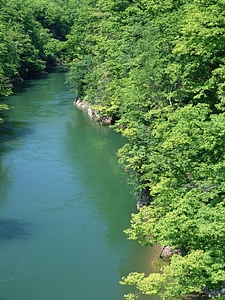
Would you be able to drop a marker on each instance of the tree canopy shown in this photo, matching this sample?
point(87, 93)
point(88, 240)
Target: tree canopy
point(158, 66)
point(32, 35)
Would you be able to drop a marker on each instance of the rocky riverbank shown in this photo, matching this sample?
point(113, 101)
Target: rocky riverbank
point(93, 114)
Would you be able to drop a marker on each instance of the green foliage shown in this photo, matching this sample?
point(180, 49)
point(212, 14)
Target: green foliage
point(158, 67)
point(30, 34)
point(184, 275)
point(184, 172)
point(198, 67)
point(103, 36)
point(57, 16)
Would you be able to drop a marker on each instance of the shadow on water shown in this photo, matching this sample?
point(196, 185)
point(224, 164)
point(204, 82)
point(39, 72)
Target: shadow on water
point(25, 85)
point(31, 80)
point(13, 229)
point(12, 130)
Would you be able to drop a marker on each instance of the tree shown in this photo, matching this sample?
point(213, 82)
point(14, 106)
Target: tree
point(32, 35)
point(185, 178)
point(198, 68)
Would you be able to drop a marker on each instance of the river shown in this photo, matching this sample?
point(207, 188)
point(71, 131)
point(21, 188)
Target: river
point(64, 201)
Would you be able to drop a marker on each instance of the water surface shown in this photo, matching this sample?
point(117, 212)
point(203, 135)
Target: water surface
point(64, 201)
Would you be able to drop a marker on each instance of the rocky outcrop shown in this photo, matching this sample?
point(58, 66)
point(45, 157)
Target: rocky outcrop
point(213, 293)
point(143, 198)
point(93, 114)
point(168, 252)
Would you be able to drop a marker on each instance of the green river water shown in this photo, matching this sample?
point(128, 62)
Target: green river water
point(64, 201)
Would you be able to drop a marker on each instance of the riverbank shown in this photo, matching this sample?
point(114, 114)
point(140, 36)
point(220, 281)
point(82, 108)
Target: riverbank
point(92, 113)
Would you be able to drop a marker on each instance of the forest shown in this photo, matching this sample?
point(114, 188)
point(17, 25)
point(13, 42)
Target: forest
point(158, 69)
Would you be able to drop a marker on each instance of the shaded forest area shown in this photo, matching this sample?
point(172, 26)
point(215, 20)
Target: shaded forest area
point(157, 67)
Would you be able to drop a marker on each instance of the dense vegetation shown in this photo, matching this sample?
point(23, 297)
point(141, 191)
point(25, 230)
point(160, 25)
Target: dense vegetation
point(157, 67)
point(32, 35)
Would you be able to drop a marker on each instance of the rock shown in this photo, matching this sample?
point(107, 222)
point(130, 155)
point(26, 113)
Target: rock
point(143, 198)
point(93, 114)
point(167, 252)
